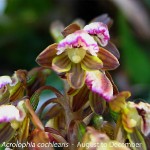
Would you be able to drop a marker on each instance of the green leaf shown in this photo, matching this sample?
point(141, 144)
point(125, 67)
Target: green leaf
point(147, 3)
point(135, 59)
point(2, 147)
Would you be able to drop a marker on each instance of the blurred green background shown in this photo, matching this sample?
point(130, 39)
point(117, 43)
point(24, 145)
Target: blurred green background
point(24, 33)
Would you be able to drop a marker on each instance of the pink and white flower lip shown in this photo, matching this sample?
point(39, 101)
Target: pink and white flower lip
point(99, 29)
point(4, 80)
point(78, 39)
point(144, 112)
point(100, 84)
point(10, 113)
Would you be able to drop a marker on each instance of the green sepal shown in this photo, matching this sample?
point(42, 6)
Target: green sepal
point(81, 131)
point(34, 100)
point(4, 97)
point(136, 137)
point(114, 115)
point(31, 79)
point(17, 91)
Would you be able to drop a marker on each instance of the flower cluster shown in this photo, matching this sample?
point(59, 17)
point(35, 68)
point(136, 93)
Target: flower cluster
point(90, 113)
point(81, 56)
point(132, 115)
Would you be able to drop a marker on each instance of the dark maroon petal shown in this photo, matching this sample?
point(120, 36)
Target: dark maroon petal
point(97, 103)
point(105, 19)
point(45, 58)
point(80, 98)
point(113, 49)
point(72, 91)
point(71, 29)
point(76, 76)
point(6, 133)
point(115, 89)
point(110, 62)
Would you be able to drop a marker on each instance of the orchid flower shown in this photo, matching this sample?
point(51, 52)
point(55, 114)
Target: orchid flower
point(76, 54)
point(12, 114)
point(12, 88)
point(99, 30)
point(130, 117)
point(118, 102)
point(98, 88)
point(132, 114)
point(96, 140)
point(12, 117)
point(126, 110)
point(4, 80)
